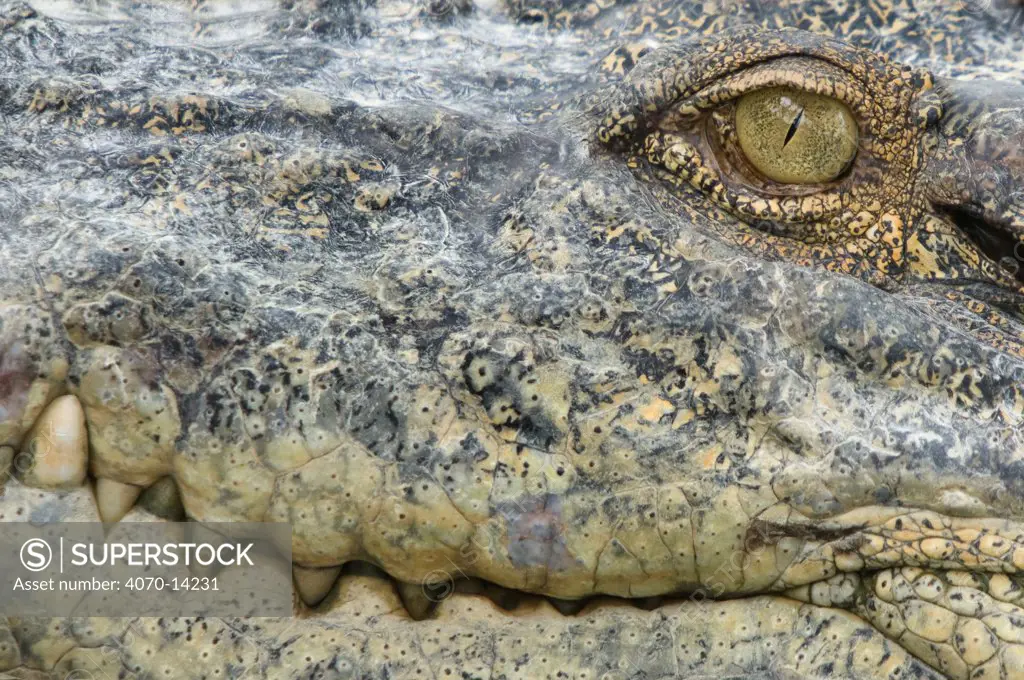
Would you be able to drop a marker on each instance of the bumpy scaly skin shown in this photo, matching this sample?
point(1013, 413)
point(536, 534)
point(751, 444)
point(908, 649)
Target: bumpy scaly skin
point(514, 321)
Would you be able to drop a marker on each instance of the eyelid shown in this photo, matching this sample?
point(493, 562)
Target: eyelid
point(822, 204)
point(630, 109)
point(801, 73)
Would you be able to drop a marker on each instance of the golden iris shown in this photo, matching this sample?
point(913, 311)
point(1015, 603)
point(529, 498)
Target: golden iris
point(796, 137)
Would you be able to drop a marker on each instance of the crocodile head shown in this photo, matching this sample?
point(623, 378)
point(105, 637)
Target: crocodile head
point(655, 340)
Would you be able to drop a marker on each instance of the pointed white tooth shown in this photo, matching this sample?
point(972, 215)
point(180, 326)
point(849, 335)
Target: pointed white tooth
point(314, 584)
point(416, 601)
point(55, 454)
point(802, 593)
point(115, 499)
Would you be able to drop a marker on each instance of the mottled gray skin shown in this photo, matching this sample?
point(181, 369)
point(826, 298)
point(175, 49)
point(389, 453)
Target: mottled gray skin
point(406, 276)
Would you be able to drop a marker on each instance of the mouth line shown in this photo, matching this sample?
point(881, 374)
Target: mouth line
point(421, 600)
point(995, 243)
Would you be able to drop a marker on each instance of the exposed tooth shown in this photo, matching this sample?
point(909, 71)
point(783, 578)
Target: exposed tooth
point(114, 498)
point(567, 607)
point(314, 584)
point(416, 601)
point(363, 592)
point(55, 453)
point(163, 500)
point(802, 593)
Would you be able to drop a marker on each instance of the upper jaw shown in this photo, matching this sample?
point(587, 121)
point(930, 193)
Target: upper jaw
point(762, 390)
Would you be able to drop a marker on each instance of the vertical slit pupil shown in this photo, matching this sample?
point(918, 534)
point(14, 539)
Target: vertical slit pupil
point(793, 127)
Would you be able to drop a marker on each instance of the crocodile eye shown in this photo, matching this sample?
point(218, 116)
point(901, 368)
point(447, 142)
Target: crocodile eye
point(795, 137)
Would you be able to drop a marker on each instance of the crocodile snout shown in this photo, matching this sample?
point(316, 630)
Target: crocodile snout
point(975, 168)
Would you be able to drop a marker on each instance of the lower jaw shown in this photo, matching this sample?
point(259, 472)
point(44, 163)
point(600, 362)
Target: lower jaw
point(357, 621)
point(361, 629)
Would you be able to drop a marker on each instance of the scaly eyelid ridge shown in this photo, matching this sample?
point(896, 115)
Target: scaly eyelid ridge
point(836, 83)
point(675, 154)
point(673, 74)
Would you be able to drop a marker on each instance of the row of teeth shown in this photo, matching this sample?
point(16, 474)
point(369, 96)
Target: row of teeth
point(55, 455)
point(313, 585)
point(940, 610)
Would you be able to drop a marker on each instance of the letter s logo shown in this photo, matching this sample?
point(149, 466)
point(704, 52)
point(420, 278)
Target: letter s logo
point(36, 554)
